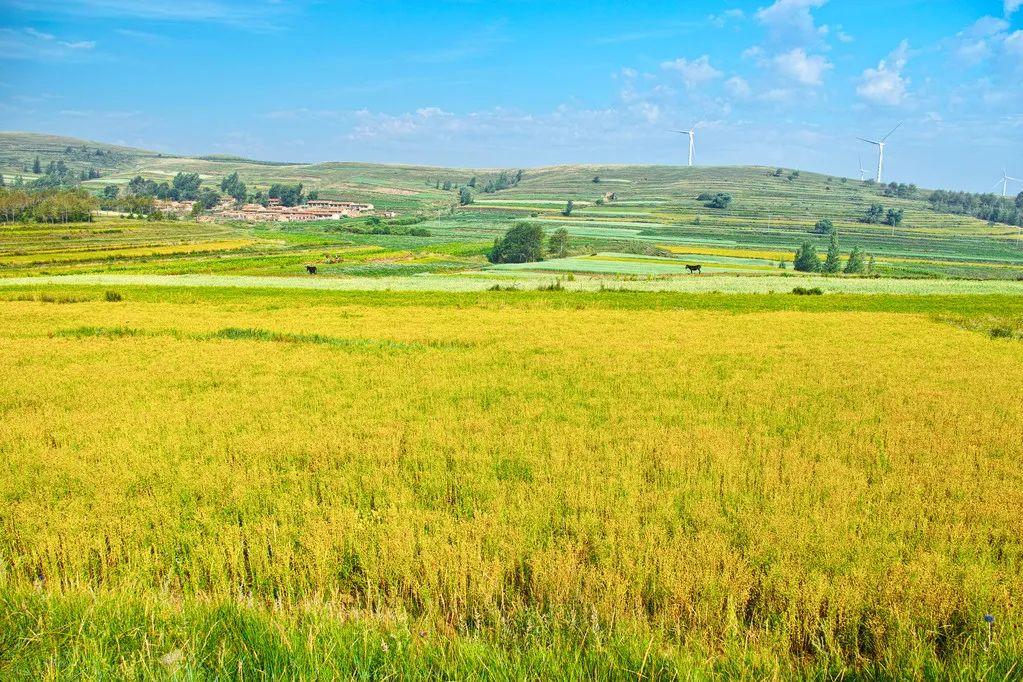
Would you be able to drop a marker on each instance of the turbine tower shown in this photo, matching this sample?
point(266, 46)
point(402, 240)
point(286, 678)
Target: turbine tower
point(880, 150)
point(863, 173)
point(1006, 179)
point(692, 141)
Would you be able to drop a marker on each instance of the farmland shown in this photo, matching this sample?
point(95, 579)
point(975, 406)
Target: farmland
point(655, 212)
point(724, 484)
point(420, 464)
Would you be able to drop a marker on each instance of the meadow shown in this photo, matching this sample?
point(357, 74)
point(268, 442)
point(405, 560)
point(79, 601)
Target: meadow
point(508, 484)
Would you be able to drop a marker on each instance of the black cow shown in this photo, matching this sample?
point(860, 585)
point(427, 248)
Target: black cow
point(311, 269)
point(695, 268)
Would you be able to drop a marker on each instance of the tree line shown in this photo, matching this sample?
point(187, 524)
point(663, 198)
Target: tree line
point(807, 260)
point(46, 205)
point(989, 207)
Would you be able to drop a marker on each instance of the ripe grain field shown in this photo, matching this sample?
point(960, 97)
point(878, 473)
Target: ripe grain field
point(510, 484)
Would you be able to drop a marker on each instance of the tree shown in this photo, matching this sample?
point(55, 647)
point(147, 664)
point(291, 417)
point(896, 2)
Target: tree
point(233, 187)
point(596, 179)
point(472, 182)
point(464, 196)
point(447, 186)
point(832, 263)
point(806, 259)
point(824, 226)
point(3, 183)
point(521, 244)
point(314, 195)
point(893, 217)
point(110, 192)
point(568, 208)
point(185, 186)
point(1019, 200)
point(290, 195)
point(37, 167)
point(855, 265)
point(874, 214)
point(720, 200)
point(870, 265)
point(207, 198)
point(557, 244)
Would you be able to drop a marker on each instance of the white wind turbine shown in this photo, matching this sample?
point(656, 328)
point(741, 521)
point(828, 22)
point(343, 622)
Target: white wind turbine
point(880, 149)
point(692, 141)
point(1006, 179)
point(863, 173)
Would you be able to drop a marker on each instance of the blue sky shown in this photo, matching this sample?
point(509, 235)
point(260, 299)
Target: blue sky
point(523, 83)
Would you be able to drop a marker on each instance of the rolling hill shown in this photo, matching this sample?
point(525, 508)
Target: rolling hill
point(652, 211)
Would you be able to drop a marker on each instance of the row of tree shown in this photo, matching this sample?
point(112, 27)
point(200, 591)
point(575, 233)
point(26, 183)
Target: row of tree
point(877, 214)
point(989, 207)
point(46, 205)
point(807, 260)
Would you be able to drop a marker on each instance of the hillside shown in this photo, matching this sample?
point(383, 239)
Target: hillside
point(655, 213)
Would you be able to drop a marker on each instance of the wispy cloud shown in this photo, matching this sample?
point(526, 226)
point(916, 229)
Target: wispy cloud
point(259, 15)
point(479, 42)
point(32, 44)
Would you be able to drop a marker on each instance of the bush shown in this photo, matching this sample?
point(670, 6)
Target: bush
point(824, 226)
point(112, 296)
point(803, 291)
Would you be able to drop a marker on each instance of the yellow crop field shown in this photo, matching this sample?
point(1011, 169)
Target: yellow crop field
point(110, 253)
point(225, 484)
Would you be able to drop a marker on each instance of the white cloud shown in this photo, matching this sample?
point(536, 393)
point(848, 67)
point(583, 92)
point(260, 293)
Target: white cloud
point(694, 73)
point(791, 21)
point(975, 43)
point(1014, 44)
point(801, 67)
point(729, 15)
point(886, 83)
point(39, 34)
point(738, 87)
point(1011, 6)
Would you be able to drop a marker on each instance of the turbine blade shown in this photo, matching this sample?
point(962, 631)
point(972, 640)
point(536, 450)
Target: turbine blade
point(892, 131)
point(867, 141)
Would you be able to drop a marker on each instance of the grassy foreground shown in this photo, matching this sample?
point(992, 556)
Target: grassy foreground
point(216, 483)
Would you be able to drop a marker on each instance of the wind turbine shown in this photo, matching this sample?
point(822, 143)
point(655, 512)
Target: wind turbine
point(1005, 182)
point(692, 140)
point(880, 149)
point(863, 173)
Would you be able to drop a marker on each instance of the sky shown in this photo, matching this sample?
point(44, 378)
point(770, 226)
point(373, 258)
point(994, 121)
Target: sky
point(525, 83)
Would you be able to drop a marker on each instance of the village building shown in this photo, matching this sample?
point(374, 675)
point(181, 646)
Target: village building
point(316, 209)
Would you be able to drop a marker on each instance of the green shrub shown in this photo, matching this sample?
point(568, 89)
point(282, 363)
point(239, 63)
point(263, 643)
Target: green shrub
point(804, 291)
point(112, 296)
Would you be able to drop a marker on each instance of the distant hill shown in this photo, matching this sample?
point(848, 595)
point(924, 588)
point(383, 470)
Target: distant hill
point(18, 151)
point(645, 197)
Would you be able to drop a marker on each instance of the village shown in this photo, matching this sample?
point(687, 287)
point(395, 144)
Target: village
point(274, 211)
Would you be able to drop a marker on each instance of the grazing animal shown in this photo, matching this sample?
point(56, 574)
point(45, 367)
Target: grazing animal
point(311, 269)
point(695, 268)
